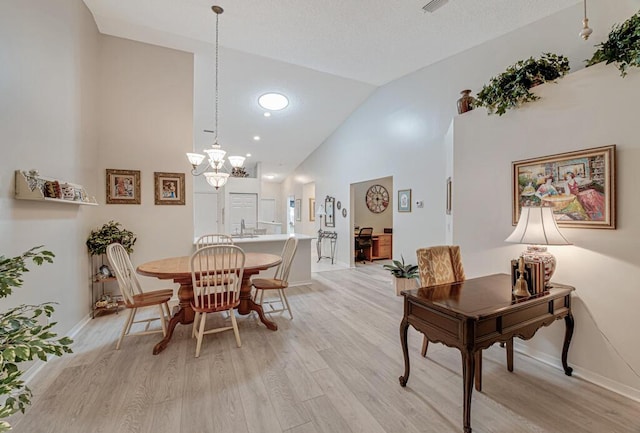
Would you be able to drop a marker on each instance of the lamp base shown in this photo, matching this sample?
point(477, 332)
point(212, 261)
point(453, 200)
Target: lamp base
point(539, 254)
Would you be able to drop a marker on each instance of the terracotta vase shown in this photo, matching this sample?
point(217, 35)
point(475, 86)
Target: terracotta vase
point(465, 103)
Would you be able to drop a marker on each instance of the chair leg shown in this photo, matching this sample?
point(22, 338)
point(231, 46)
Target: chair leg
point(126, 327)
point(283, 296)
point(203, 320)
point(234, 323)
point(425, 345)
point(194, 328)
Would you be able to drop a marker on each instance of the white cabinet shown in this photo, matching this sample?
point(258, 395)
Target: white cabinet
point(31, 186)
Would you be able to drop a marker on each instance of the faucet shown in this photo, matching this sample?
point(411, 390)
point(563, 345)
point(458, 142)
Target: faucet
point(242, 227)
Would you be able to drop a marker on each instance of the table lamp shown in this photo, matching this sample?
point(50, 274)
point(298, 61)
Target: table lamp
point(537, 227)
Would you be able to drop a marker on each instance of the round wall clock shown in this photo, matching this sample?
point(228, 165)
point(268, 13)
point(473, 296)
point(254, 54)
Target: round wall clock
point(377, 198)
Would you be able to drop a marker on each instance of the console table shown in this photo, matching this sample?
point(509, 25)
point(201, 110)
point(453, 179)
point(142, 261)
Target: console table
point(330, 237)
point(476, 313)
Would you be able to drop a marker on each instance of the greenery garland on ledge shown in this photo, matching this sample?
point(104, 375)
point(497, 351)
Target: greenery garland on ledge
point(23, 336)
point(109, 233)
point(621, 47)
point(510, 89)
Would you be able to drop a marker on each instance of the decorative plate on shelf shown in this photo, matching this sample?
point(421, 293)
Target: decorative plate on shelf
point(377, 198)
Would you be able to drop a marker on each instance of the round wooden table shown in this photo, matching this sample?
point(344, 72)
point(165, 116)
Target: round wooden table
point(177, 269)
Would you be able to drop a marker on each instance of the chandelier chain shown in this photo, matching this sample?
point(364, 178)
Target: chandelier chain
point(217, 27)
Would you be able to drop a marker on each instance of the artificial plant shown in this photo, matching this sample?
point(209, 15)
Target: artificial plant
point(622, 46)
point(23, 336)
point(510, 89)
point(109, 233)
point(401, 270)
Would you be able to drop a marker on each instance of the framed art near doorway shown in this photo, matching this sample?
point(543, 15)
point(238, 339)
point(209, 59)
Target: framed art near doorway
point(330, 209)
point(404, 200)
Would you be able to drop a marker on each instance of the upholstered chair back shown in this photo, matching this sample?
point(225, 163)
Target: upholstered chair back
point(440, 265)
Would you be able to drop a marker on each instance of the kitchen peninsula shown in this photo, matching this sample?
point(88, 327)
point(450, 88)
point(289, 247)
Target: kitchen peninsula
point(300, 268)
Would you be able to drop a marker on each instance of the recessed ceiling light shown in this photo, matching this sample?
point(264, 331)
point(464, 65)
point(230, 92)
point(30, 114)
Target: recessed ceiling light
point(248, 155)
point(273, 101)
point(267, 114)
point(256, 137)
point(269, 176)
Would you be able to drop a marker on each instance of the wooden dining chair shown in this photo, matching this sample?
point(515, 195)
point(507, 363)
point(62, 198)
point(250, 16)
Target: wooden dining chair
point(134, 297)
point(216, 276)
point(213, 239)
point(279, 282)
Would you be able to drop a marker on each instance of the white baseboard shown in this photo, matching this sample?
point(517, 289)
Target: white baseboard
point(589, 376)
point(31, 372)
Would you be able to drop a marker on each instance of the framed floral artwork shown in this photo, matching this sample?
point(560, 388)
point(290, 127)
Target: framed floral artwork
point(404, 200)
point(123, 186)
point(580, 186)
point(169, 188)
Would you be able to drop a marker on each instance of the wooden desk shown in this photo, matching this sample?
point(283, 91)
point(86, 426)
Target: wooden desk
point(177, 269)
point(474, 314)
point(380, 247)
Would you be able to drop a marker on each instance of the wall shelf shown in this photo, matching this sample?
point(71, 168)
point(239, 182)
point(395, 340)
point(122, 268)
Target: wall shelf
point(31, 186)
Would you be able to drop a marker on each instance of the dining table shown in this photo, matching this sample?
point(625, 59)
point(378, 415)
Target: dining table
point(178, 269)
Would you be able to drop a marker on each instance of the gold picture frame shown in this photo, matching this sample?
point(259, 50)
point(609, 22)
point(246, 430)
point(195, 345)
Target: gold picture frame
point(122, 186)
point(580, 186)
point(312, 209)
point(169, 188)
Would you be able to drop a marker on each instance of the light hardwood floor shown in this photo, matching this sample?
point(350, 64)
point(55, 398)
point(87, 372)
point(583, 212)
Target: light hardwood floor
point(333, 369)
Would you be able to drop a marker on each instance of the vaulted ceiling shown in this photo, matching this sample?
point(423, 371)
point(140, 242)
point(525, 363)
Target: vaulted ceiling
point(327, 56)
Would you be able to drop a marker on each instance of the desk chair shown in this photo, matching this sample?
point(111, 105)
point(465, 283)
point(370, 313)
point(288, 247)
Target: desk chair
point(216, 276)
point(134, 297)
point(363, 241)
point(279, 282)
point(443, 265)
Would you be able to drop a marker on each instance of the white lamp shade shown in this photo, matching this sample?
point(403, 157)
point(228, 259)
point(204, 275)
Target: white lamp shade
point(216, 154)
point(537, 226)
point(320, 211)
point(236, 161)
point(195, 159)
point(216, 180)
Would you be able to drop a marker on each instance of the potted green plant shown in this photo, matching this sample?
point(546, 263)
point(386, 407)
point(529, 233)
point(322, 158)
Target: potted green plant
point(622, 47)
point(404, 275)
point(109, 233)
point(510, 89)
point(23, 337)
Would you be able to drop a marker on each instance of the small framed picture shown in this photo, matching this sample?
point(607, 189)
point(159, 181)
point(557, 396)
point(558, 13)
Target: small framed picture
point(298, 210)
point(312, 209)
point(404, 200)
point(169, 188)
point(123, 186)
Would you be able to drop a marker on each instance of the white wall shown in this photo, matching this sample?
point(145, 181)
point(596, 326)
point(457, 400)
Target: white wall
point(48, 52)
point(146, 121)
point(589, 108)
point(403, 130)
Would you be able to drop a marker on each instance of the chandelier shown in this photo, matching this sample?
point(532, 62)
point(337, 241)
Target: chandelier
point(215, 155)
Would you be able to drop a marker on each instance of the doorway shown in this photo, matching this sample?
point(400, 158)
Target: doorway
point(373, 204)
